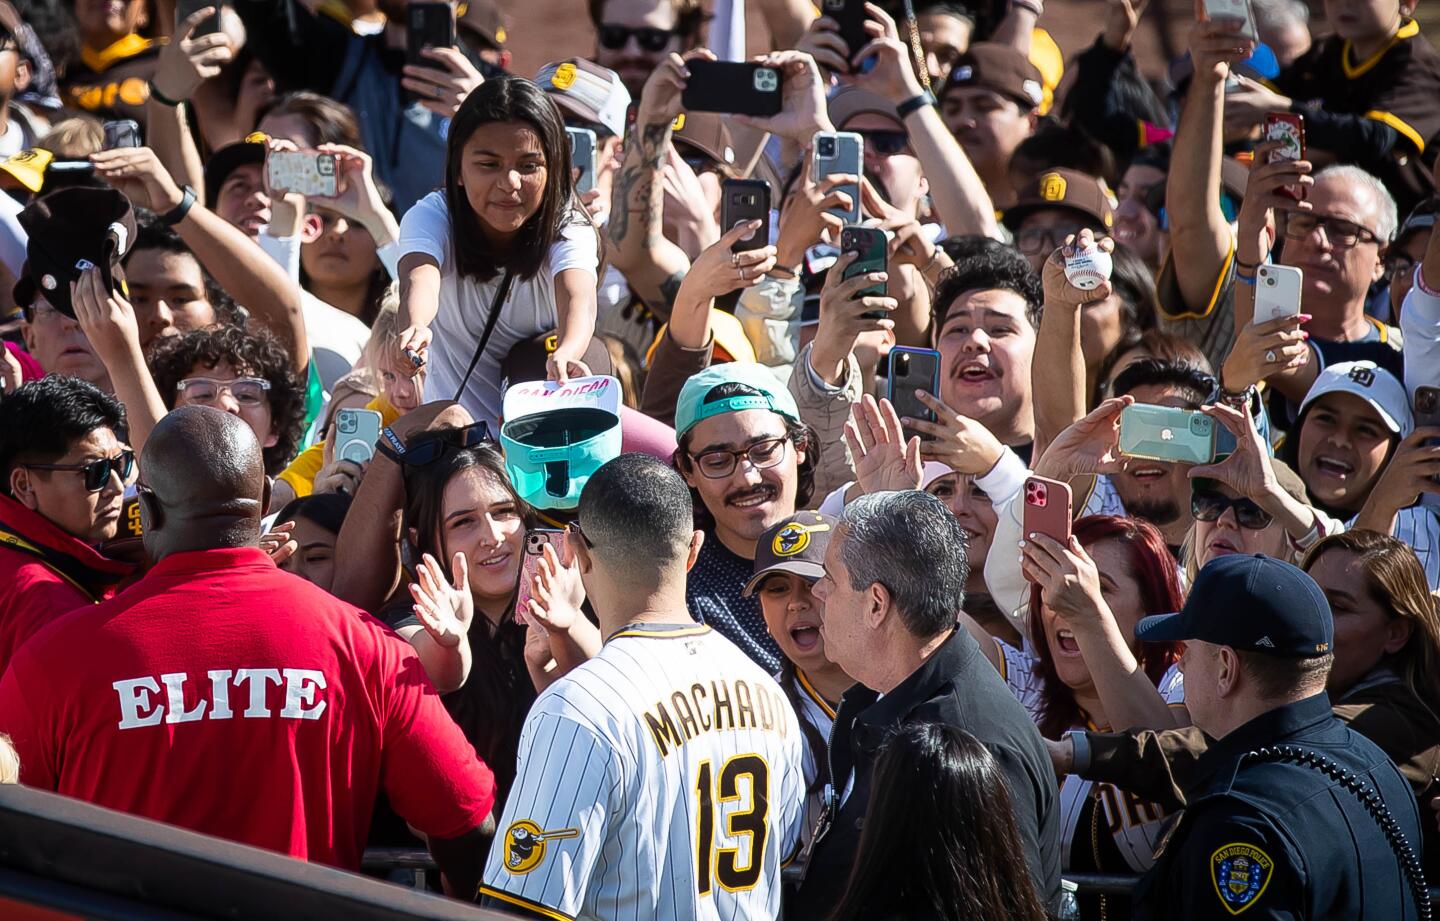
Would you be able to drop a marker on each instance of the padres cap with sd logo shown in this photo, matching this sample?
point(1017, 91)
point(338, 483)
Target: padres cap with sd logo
point(795, 545)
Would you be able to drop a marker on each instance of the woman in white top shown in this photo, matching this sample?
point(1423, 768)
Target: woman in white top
point(507, 208)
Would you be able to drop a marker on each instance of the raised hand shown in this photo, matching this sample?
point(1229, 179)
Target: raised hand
point(1263, 350)
point(1089, 446)
point(802, 99)
point(1058, 289)
point(556, 594)
point(1068, 579)
point(185, 61)
point(278, 544)
point(805, 218)
point(106, 318)
point(889, 72)
point(443, 88)
point(884, 460)
point(660, 99)
point(444, 609)
point(1247, 470)
point(138, 175)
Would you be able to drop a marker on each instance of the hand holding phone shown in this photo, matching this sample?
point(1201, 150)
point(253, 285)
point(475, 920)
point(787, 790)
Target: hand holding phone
point(123, 132)
point(1287, 129)
point(1167, 433)
point(1277, 292)
point(535, 543)
point(912, 370)
point(427, 25)
point(356, 431)
point(743, 200)
point(840, 153)
point(870, 248)
point(1234, 11)
point(1047, 508)
point(305, 172)
point(732, 88)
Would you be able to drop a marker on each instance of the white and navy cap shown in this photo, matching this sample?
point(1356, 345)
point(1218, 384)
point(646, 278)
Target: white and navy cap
point(588, 90)
point(1371, 383)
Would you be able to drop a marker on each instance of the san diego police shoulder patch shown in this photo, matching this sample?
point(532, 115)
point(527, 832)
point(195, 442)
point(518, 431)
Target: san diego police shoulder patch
point(525, 845)
point(1240, 873)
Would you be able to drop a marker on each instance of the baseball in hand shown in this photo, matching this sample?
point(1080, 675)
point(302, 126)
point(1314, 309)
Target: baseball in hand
point(1089, 268)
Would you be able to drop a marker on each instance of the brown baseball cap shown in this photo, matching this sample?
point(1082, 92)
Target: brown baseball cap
point(1001, 69)
point(482, 17)
point(706, 133)
point(1064, 188)
point(795, 545)
point(850, 102)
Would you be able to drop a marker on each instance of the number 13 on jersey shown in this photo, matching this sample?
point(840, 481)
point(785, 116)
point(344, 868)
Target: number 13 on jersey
point(731, 829)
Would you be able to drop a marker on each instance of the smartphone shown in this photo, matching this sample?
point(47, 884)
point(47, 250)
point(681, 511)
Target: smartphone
point(582, 157)
point(840, 153)
point(184, 9)
point(1165, 433)
point(869, 245)
point(427, 25)
point(1234, 10)
point(850, 16)
point(305, 171)
point(744, 200)
point(535, 543)
point(1047, 508)
point(1277, 292)
point(732, 88)
point(124, 132)
point(1289, 129)
point(1427, 412)
point(912, 370)
point(356, 431)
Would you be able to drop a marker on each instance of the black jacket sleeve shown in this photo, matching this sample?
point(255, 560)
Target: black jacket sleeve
point(1356, 139)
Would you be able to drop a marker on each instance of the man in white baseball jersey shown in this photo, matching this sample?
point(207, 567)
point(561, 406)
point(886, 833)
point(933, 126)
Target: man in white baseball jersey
point(662, 778)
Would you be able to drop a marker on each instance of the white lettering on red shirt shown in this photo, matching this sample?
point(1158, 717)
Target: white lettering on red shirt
point(142, 703)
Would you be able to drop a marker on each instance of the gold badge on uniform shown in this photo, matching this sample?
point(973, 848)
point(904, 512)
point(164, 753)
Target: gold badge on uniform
point(525, 845)
point(1240, 873)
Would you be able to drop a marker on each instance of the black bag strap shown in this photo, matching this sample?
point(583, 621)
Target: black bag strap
point(496, 306)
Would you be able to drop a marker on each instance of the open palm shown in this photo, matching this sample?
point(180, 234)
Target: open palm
point(445, 609)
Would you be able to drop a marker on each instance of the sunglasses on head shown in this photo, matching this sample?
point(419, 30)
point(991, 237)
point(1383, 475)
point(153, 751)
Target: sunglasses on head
point(648, 38)
point(886, 143)
point(1208, 505)
point(427, 447)
point(97, 472)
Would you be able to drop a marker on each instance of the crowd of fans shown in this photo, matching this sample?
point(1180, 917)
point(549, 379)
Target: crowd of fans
point(379, 506)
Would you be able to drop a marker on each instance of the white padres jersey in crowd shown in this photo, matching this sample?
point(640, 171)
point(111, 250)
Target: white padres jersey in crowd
point(1136, 826)
point(815, 711)
point(660, 779)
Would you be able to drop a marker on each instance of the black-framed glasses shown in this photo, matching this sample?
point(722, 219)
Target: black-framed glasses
point(1208, 505)
point(648, 38)
point(427, 447)
point(886, 143)
point(1046, 240)
point(719, 464)
point(97, 472)
point(1340, 232)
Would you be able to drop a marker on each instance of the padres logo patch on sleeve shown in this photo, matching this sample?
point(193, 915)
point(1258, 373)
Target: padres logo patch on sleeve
point(525, 845)
point(1240, 873)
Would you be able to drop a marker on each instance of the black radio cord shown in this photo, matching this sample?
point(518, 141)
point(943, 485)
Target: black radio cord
point(1409, 861)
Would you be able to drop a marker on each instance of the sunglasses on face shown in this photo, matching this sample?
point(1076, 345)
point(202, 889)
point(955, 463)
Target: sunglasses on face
point(886, 143)
point(648, 38)
point(97, 472)
point(1207, 505)
point(430, 446)
point(247, 391)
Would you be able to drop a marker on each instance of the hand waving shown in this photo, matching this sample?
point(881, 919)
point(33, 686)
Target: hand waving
point(444, 609)
point(556, 594)
point(884, 460)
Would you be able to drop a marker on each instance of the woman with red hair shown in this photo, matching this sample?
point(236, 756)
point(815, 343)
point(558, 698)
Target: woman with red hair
point(1080, 666)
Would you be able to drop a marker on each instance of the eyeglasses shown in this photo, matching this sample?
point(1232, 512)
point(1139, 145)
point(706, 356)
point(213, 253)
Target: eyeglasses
point(717, 465)
point(247, 391)
point(1042, 239)
point(649, 38)
point(1398, 266)
point(428, 447)
point(886, 143)
point(97, 472)
point(1206, 505)
point(1341, 233)
point(574, 528)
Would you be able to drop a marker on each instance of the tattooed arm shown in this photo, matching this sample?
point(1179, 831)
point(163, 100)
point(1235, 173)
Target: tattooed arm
point(653, 266)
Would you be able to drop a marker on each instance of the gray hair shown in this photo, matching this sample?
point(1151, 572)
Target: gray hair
point(1388, 217)
point(911, 544)
point(1273, 13)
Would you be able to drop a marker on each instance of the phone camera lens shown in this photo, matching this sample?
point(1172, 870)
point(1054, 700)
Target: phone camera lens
point(902, 363)
point(1270, 282)
point(827, 147)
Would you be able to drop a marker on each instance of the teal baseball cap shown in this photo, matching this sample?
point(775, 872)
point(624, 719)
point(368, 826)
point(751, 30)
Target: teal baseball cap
point(696, 403)
point(556, 436)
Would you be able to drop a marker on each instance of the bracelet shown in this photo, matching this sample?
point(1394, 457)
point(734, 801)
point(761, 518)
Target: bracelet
point(177, 214)
point(1249, 266)
point(935, 256)
point(1240, 399)
point(915, 104)
point(1247, 279)
point(1420, 282)
point(161, 98)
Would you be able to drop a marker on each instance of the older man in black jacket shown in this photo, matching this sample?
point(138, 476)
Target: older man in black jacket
point(894, 580)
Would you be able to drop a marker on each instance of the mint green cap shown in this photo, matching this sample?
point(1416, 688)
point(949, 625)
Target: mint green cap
point(692, 406)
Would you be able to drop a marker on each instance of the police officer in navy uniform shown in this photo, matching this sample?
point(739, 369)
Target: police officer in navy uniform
point(1292, 814)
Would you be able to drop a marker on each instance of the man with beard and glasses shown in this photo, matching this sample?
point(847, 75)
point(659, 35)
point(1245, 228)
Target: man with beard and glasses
point(634, 37)
point(750, 464)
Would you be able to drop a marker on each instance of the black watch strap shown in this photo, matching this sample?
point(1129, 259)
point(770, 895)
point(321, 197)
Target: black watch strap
point(177, 214)
point(914, 104)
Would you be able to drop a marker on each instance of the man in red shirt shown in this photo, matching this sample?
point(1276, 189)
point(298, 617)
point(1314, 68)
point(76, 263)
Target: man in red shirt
point(226, 696)
point(62, 471)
